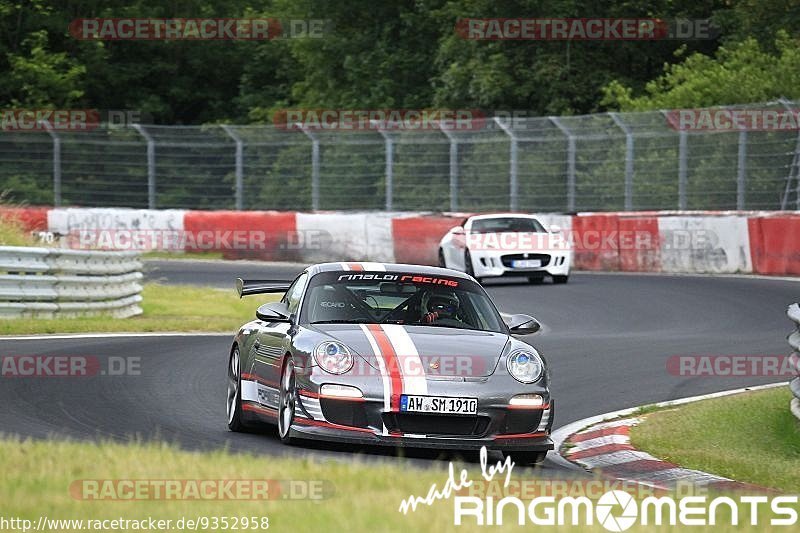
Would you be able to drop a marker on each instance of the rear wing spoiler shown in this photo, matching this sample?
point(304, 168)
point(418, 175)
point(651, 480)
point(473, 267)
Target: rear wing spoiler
point(246, 287)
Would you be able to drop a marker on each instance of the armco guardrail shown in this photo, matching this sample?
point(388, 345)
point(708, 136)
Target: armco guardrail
point(794, 342)
point(50, 282)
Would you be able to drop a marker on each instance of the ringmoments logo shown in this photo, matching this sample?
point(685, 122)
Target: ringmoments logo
point(616, 499)
point(619, 511)
point(615, 510)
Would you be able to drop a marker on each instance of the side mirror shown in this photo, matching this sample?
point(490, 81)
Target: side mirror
point(523, 325)
point(555, 228)
point(273, 312)
point(458, 230)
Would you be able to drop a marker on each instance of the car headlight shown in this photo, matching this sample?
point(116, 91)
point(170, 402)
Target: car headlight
point(333, 357)
point(525, 365)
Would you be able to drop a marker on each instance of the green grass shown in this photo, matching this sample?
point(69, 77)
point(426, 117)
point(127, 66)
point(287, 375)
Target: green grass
point(166, 308)
point(40, 479)
point(749, 437)
point(37, 477)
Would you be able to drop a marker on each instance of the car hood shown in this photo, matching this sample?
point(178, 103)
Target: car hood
point(437, 351)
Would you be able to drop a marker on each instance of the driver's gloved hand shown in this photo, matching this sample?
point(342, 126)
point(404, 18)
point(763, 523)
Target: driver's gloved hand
point(430, 317)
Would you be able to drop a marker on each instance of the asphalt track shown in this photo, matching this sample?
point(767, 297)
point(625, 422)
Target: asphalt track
point(607, 339)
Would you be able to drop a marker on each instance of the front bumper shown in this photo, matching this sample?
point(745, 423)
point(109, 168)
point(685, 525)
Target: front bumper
point(372, 420)
point(532, 443)
point(498, 263)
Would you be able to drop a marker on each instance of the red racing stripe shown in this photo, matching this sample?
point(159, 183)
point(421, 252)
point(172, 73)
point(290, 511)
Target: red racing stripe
point(321, 423)
point(392, 364)
point(356, 266)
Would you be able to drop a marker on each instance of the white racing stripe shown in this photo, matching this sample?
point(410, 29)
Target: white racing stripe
point(375, 267)
point(413, 374)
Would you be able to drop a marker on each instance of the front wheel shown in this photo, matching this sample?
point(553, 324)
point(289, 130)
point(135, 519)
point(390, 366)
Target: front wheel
point(468, 264)
point(287, 402)
point(560, 279)
point(526, 458)
point(234, 403)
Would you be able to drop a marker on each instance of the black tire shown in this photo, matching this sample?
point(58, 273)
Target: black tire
point(468, 264)
point(442, 262)
point(287, 402)
point(234, 403)
point(526, 458)
point(535, 280)
point(560, 279)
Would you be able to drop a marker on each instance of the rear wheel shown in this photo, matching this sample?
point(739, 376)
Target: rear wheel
point(560, 279)
point(526, 458)
point(234, 403)
point(287, 402)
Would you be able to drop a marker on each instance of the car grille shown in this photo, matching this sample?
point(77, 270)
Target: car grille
point(441, 425)
point(344, 413)
point(507, 259)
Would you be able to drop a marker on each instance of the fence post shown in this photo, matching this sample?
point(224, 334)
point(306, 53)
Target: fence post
point(682, 169)
point(239, 165)
point(741, 171)
point(628, 159)
point(513, 180)
point(56, 164)
point(151, 165)
point(314, 167)
point(453, 168)
point(794, 168)
point(570, 162)
point(389, 142)
point(682, 155)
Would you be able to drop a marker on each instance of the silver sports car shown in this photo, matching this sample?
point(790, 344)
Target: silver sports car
point(390, 354)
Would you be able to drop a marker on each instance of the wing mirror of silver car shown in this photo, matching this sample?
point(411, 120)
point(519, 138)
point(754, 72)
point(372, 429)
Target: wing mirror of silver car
point(458, 230)
point(273, 312)
point(522, 325)
point(555, 228)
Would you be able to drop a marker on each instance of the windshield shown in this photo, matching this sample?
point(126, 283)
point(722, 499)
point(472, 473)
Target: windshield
point(507, 225)
point(399, 298)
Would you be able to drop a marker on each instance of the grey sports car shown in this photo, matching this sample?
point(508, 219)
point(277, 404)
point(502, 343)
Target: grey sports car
point(390, 354)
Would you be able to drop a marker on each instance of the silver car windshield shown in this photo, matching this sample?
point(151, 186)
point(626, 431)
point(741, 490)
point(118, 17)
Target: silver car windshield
point(399, 298)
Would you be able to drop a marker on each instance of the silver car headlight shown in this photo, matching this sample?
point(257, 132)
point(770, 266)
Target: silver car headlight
point(525, 365)
point(333, 357)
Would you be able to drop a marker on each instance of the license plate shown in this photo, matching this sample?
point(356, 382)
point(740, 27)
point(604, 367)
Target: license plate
point(526, 263)
point(438, 404)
